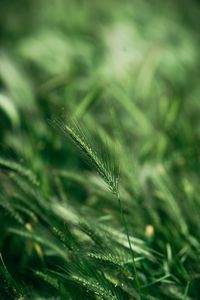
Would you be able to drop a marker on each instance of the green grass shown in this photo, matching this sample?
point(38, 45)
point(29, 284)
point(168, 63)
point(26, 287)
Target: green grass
point(99, 150)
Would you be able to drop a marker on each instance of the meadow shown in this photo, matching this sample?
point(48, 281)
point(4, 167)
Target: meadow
point(99, 150)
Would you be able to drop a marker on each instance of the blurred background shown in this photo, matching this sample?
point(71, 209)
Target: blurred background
point(55, 53)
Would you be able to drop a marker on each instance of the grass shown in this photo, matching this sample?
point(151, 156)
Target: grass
point(99, 150)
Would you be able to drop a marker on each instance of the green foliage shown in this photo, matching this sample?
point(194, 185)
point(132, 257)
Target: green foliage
point(100, 157)
point(119, 218)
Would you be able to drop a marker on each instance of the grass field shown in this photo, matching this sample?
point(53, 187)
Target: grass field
point(99, 150)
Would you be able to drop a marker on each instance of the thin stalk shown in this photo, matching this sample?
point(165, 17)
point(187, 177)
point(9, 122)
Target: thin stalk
point(129, 242)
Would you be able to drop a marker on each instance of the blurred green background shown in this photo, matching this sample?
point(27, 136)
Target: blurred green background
point(130, 71)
